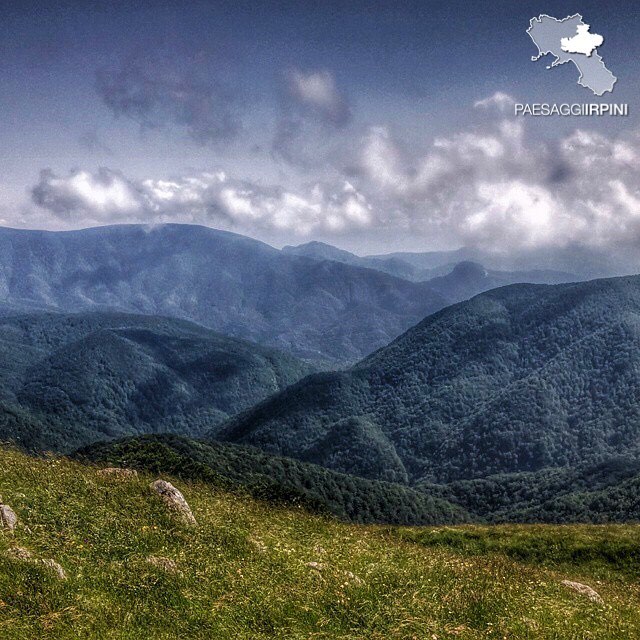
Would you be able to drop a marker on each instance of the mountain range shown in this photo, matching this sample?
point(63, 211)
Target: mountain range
point(329, 311)
point(420, 267)
point(517, 379)
point(521, 402)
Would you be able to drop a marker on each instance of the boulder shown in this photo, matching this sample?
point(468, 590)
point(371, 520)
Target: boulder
point(585, 590)
point(174, 500)
point(53, 566)
point(19, 553)
point(164, 564)
point(8, 517)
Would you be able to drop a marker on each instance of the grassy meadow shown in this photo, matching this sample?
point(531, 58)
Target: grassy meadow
point(255, 570)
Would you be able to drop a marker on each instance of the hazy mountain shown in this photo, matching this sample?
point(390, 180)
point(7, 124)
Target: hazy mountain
point(327, 311)
point(467, 279)
point(436, 265)
point(323, 251)
point(558, 264)
point(67, 380)
point(516, 379)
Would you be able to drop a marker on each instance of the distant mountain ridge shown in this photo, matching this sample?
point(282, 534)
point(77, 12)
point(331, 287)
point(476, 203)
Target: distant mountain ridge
point(517, 379)
point(323, 311)
point(427, 266)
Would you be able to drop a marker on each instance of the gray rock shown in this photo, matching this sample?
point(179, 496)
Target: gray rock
point(164, 564)
point(55, 568)
point(8, 517)
point(585, 590)
point(24, 555)
point(19, 553)
point(174, 500)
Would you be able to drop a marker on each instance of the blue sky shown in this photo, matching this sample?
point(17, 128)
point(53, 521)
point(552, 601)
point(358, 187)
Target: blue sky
point(349, 122)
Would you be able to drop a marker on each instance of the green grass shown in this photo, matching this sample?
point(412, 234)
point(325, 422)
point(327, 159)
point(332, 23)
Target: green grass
point(244, 573)
point(610, 552)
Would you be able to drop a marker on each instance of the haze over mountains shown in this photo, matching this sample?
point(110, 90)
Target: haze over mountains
point(323, 311)
point(420, 267)
point(316, 302)
point(527, 390)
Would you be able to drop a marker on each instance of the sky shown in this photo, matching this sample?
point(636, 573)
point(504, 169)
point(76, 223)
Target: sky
point(376, 127)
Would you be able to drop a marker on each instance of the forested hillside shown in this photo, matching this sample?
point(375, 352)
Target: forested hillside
point(71, 379)
point(277, 479)
point(517, 379)
point(608, 491)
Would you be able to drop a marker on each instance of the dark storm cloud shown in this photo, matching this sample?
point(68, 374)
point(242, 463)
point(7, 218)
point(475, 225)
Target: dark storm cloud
point(157, 91)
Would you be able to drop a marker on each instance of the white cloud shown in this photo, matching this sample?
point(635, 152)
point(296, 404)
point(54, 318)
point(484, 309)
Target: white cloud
point(494, 189)
point(311, 108)
point(491, 186)
point(499, 100)
point(317, 91)
point(207, 198)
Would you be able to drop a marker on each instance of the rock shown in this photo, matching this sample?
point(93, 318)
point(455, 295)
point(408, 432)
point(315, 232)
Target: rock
point(8, 517)
point(115, 472)
point(55, 568)
point(24, 555)
point(585, 590)
point(353, 577)
point(318, 566)
point(174, 500)
point(19, 553)
point(165, 564)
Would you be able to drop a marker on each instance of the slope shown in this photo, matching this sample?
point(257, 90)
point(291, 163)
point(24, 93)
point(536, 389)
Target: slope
point(516, 379)
point(70, 379)
point(255, 570)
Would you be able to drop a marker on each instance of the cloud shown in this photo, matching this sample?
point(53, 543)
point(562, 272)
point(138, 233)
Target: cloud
point(499, 100)
point(311, 104)
point(316, 93)
point(159, 91)
point(492, 186)
point(107, 196)
point(495, 189)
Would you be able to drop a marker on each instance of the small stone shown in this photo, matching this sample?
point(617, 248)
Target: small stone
point(19, 553)
point(318, 566)
point(8, 517)
point(174, 500)
point(116, 472)
point(353, 577)
point(585, 590)
point(55, 567)
point(165, 564)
